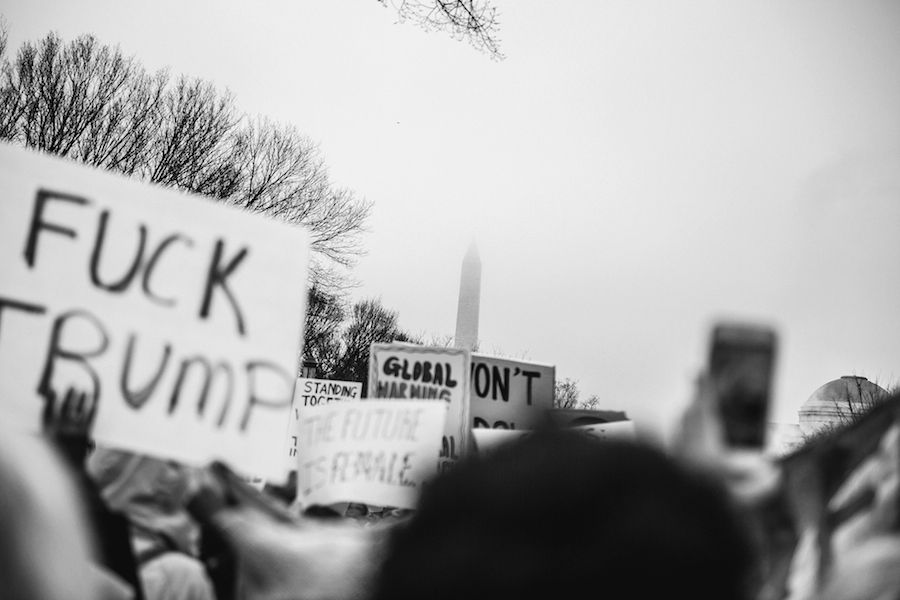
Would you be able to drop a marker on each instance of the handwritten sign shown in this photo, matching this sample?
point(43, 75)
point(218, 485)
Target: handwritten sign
point(510, 394)
point(171, 322)
point(405, 371)
point(377, 452)
point(312, 393)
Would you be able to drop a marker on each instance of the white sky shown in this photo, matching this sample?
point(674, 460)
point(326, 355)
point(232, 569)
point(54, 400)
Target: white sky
point(632, 171)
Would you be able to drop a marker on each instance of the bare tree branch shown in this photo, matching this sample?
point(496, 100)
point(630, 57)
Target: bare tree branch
point(474, 20)
point(565, 393)
point(86, 101)
point(370, 322)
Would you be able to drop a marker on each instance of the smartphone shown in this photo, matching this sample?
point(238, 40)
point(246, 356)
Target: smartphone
point(741, 364)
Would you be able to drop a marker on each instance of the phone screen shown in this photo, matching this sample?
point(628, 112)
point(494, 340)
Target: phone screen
point(741, 363)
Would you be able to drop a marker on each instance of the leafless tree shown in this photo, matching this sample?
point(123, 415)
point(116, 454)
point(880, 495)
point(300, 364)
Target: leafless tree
point(280, 172)
point(565, 393)
point(500, 352)
point(325, 313)
point(442, 340)
point(851, 407)
point(190, 148)
point(54, 91)
point(438, 340)
point(370, 322)
point(474, 20)
point(592, 403)
point(88, 102)
point(121, 137)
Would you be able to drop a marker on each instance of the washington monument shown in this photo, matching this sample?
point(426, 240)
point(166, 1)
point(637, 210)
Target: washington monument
point(469, 299)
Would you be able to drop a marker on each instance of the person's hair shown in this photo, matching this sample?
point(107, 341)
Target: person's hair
point(557, 512)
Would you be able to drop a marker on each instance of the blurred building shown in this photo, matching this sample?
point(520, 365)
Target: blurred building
point(839, 402)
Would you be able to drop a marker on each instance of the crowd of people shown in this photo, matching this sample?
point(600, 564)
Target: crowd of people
point(550, 514)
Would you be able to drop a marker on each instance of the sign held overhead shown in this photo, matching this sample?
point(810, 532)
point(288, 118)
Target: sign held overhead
point(510, 394)
point(169, 322)
point(377, 452)
point(408, 372)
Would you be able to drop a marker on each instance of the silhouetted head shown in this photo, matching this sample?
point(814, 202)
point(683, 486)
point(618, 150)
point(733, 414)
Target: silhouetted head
point(557, 512)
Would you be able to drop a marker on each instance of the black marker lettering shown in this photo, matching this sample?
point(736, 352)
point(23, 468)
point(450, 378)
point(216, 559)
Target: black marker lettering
point(34, 309)
point(137, 399)
point(125, 281)
point(151, 265)
point(253, 367)
point(37, 223)
point(217, 277)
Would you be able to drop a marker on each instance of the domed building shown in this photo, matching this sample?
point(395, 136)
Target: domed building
point(838, 402)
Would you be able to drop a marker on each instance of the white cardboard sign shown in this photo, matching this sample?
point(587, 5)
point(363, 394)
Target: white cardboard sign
point(310, 394)
point(378, 452)
point(316, 392)
point(409, 372)
point(177, 319)
point(510, 394)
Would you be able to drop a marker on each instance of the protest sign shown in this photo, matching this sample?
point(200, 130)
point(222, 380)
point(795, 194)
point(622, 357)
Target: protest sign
point(376, 452)
point(171, 321)
point(312, 393)
point(510, 394)
point(405, 371)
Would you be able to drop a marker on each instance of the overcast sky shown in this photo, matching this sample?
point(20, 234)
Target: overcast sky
point(631, 172)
